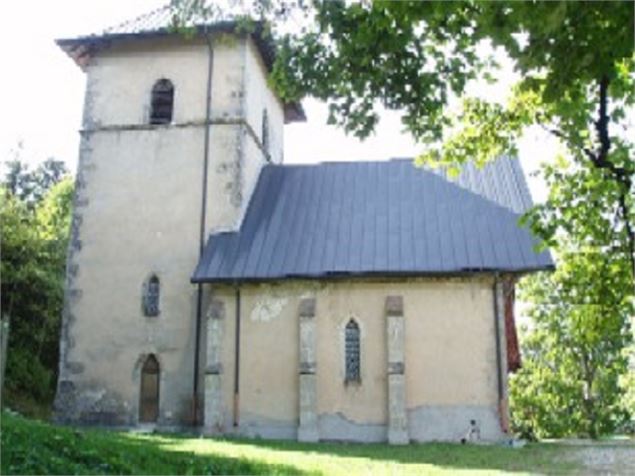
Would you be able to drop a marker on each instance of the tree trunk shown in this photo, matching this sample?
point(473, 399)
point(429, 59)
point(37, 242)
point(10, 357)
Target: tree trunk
point(588, 400)
point(621, 175)
point(4, 343)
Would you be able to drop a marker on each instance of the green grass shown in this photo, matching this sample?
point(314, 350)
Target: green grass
point(31, 447)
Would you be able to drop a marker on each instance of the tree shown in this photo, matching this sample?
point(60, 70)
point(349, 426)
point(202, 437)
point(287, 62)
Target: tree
point(35, 218)
point(574, 349)
point(31, 186)
point(575, 343)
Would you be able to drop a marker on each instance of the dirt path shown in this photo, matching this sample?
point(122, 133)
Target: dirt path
point(615, 457)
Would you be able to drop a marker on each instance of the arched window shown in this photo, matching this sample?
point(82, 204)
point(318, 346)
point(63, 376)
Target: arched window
point(265, 131)
point(352, 351)
point(151, 295)
point(162, 102)
point(149, 392)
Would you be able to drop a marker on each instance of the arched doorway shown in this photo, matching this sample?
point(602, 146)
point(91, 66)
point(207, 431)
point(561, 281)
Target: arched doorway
point(149, 398)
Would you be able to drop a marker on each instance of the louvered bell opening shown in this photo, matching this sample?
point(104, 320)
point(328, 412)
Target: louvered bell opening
point(162, 102)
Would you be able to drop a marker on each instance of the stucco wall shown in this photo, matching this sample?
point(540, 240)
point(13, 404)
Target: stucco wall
point(138, 211)
point(122, 77)
point(124, 238)
point(450, 358)
point(258, 97)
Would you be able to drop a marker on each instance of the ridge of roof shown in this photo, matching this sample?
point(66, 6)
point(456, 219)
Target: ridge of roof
point(133, 24)
point(349, 161)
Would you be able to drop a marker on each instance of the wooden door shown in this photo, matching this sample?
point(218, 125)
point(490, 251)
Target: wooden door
point(149, 402)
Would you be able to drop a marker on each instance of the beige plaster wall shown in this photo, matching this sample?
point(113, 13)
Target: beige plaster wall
point(270, 367)
point(365, 402)
point(450, 345)
point(258, 97)
point(234, 176)
point(123, 76)
point(125, 237)
point(449, 348)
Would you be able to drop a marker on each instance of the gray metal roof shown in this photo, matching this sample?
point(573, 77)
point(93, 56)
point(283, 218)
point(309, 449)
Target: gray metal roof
point(377, 219)
point(157, 19)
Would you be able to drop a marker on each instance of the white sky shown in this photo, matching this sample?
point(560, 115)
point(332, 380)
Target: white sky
point(41, 92)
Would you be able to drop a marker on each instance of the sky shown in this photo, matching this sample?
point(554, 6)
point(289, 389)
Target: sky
point(42, 93)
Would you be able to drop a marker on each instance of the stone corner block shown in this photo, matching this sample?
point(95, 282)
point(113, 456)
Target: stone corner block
point(216, 309)
point(214, 369)
point(394, 306)
point(213, 404)
point(307, 368)
point(396, 368)
point(398, 437)
point(307, 307)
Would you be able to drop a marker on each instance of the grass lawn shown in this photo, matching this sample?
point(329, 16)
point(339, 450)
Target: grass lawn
point(31, 447)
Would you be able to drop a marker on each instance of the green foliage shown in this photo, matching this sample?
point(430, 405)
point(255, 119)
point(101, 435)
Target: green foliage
point(412, 56)
point(31, 186)
point(584, 208)
point(36, 448)
point(486, 130)
point(408, 56)
point(35, 218)
point(579, 329)
point(627, 384)
point(573, 350)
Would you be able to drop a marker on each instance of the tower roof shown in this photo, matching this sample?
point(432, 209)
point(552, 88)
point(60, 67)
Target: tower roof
point(161, 22)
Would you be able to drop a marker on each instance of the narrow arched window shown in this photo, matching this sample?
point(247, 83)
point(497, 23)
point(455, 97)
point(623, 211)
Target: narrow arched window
point(265, 131)
point(151, 295)
point(352, 352)
point(149, 392)
point(162, 102)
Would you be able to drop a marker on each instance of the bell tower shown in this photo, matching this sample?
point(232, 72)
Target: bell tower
point(175, 132)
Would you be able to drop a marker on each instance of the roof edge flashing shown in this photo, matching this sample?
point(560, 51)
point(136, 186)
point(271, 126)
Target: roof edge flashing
point(370, 275)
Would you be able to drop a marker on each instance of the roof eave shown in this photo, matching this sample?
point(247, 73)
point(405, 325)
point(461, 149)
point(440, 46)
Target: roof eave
point(373, 275)
point(294, 112)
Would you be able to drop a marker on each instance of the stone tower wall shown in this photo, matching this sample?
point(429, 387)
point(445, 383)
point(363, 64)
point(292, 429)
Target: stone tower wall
point(138, 213)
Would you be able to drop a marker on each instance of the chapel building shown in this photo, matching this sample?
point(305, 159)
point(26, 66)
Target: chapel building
point(209, 283)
